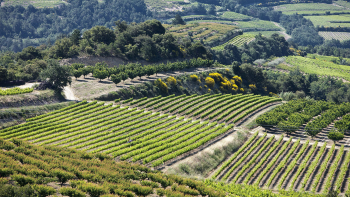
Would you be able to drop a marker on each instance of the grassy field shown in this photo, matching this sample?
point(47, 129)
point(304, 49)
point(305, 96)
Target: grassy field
point(210, 31)
point(237, 41)
point(165, 5)
point(331, 59)
point(319, 67)
point(36, 3)
point(326, 20)
point(335, 35)
point(307, 7)
point(234, 15)
point(156, 137)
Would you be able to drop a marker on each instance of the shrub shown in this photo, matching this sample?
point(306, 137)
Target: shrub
point(195, 78)
point(22, 180)
point(335, 135)
point(237, 79)
point(160, 192)
point(216, 76)
point(6, 145)
point(67, 191)
point(210, 82)
point(5, 172)
point(252, 87)
point(161, 85)
point(141, 190)
point(43, 190)
point(149, 183)
point(171, 81)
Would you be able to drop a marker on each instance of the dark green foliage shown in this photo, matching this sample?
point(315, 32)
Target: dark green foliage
point(43, 190)
point(92, 189)
point(77, 73)
point(116, 79)
point(178, 20)
point(100, 74)
point(29, 53)
point(335, 136)
point(149, 183)
point(75, 37)
point(58, 76)
point(78, 14)
point(100, 34)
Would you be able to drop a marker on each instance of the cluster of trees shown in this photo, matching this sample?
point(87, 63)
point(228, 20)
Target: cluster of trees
point(146, 40)
point(260, 48)
point(21, 23)
point(330, 48)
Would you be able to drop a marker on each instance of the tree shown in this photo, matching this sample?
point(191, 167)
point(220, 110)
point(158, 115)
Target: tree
point(86, 71)
point(131, 73)
point(100, 74)
point(58, 76)
point(75, 37)
point(150, 70)
point(116, 79)
point(141, 72)
point(212, 10)
point(335, 135)
point(100, 34)
point(178, 20)
point(124, 76)
point(3, 73)
point(77, 73)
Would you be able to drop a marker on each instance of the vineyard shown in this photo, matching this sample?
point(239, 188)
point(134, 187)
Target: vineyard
point(307, 7)
point(274, 163)
point(341, 36)
point(144, 132)
point(237, 41)
point(236, 16)
point(314, 118)
point(12, 91)
point(319, 67)
point(208, 31)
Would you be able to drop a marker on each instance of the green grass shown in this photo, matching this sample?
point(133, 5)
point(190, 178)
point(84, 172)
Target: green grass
point(307, 7)
point(341, 36)
point(319, 67)
point(35, 3)
point(325, 20)
point(326, 58)
point(235, 15)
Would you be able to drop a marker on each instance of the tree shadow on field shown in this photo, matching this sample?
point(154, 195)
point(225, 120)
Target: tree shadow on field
point(106, 82)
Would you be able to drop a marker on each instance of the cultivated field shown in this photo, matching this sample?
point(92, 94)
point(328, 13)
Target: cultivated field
point(234, 15)
point(275, 163)
point(330, 20)
point(143, 132)
point(237, 41)
point(259, 25)
point(335, 35)
point(197, 31)
point(319, 67)
point(307, 7)
point(35, 3)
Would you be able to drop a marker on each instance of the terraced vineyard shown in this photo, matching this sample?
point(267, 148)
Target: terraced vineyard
point(237, 41)
point(291, 165)
point(144, 132)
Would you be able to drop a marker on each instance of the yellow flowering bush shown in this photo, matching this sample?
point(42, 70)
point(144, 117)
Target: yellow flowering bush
point(216, 76)
point(227, 70)
point(241, 89)
point(210, 82)
point(205, 86)
point(237, 79)
point(209, 90)
point(161, 85)
point(252, 87)
point(234, 87)
point(171, 81)
point(195, 78)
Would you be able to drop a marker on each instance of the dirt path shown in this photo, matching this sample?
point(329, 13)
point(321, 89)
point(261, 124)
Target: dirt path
point(286, 36)
point(69, 95)
point(26, 85)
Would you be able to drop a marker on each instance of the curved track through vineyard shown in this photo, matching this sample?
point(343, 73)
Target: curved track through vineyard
point(141, 130)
